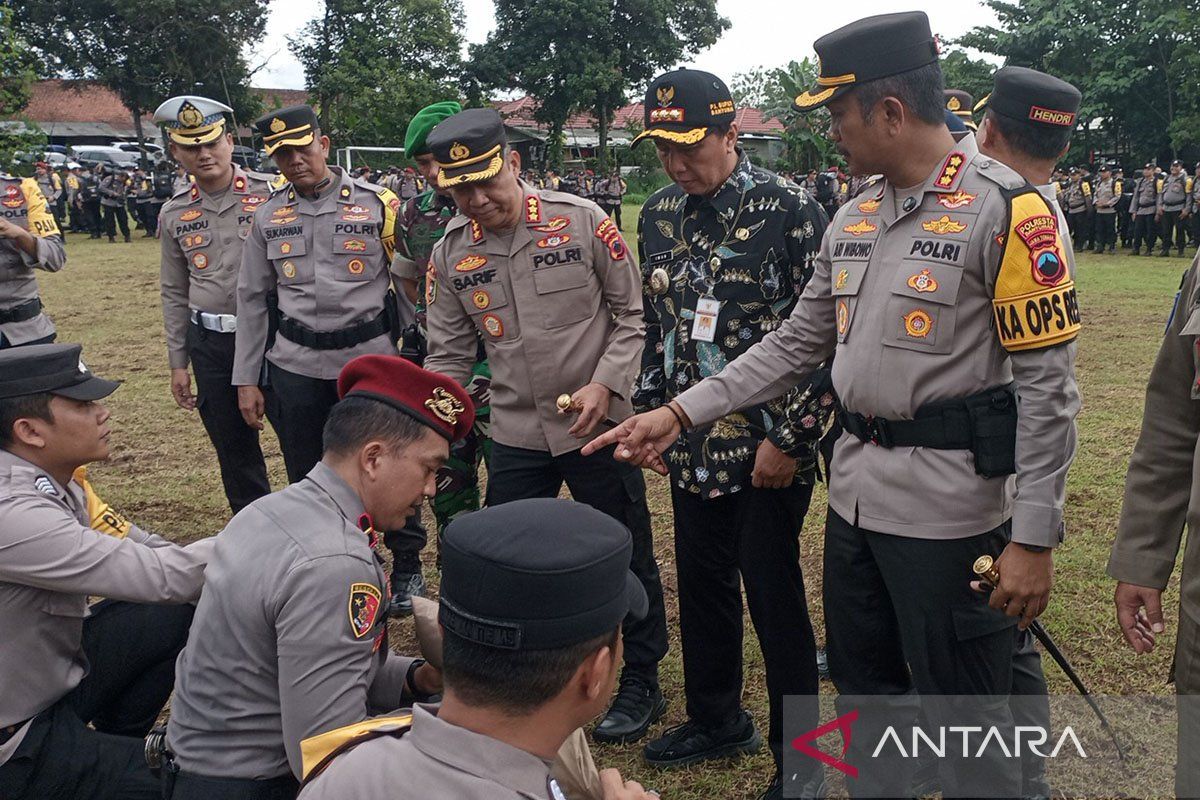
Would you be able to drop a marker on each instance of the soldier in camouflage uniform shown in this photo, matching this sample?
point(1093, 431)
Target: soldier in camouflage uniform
point(421, 224)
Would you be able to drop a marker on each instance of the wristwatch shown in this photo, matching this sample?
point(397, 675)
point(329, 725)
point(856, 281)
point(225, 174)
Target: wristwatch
point(1034, 548)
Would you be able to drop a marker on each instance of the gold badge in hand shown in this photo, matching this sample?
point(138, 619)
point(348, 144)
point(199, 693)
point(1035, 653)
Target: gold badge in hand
point(985, 568)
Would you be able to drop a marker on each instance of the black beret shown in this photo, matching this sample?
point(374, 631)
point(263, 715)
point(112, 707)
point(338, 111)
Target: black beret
point(537, 574)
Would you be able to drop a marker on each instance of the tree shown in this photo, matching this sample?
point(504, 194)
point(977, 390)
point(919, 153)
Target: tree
point(572, 55)
point(371, 64)
point(973, 76)
point(18, 70)
point(772, 92)
point(148, 50)
point(1136, 64)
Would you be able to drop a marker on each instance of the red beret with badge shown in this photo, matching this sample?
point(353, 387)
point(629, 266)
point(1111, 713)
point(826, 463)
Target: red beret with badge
point(431, 398)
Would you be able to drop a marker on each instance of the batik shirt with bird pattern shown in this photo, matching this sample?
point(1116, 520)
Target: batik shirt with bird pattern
point(750, 245)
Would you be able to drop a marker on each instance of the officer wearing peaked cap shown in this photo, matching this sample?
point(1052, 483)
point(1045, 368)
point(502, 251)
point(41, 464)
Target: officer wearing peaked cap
point(532, 646)
point(296, 595)
point(203, 227)
point(961, 104)
point(929, 290)
point(547, 280)
point(68, 664)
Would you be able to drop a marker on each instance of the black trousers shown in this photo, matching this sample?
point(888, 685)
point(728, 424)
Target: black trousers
point(114, 216)
point(1125, 226)
point(1194, 227)
point(1106, 232)
point(901, 623)
point(608, 485)
point(131, 650)
point(148, 217)
point(91, 217)
point(302, 405)
point(1033, 710)
point(239, 455)
point(1078, 220)
point(1172, 229)
point(1144, 229)
point(750, 538)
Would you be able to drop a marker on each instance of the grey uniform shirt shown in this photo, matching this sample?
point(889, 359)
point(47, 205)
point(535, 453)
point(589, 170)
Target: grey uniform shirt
point(1107, 195)
point(201, 243)
point(434, 760)
point(22, 203)
point(328, 261)
point(1173, 196)
point(290, 637)
point(1162, 487)
point(558, 304)
point(936, 303)
point(51, 561)
point(1145, 197)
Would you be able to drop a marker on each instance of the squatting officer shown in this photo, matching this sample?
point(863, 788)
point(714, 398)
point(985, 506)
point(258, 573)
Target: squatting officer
point(203, 227)
point(946, 294)
point(549, 283)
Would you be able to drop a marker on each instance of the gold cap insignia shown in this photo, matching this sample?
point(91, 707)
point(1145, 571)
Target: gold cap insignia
point(278, 125)
point(459, 151)
point(445, 406)
point(190, 116)
point(954, 104)
point(665, 95)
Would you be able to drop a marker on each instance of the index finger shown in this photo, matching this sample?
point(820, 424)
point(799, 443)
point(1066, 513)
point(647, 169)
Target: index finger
point(602, 441)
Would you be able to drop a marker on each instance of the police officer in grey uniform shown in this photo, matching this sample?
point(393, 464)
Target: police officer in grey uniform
point(547, 281)
point(532, 646)
point(67, 664)
point(29, 240)
point(296, 597)
point(114, 187)
point(203, 227)
point(1143, 208)
point(1173, 208)
point(1107, 193)
point(932, 292)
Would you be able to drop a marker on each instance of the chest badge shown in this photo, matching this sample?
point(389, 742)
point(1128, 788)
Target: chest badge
point(842, 277)
point(364, 607)
point(354, 246)
point(470, 263)
point(554, 241)
point(918, 324)
point(944, 225)
point(860, 227)
point(289, 269)
point(356, 266)
point(13, 197)
point(843, 317)
point(659, 281)
point(493, 325)
point(285, 248)
point(955, 200)
point(283, 215)
point(868, 206)
point(553, 225)
point(199, 261)
point(356, 214)
point(481, 299)
point(923, 282)
point(188, 216)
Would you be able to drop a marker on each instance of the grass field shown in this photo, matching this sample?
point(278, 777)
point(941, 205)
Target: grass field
point(164, 476)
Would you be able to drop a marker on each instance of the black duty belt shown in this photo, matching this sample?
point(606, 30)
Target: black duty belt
point(188, 786)
point(945, 425)
point(301, 334)
point(27, 310)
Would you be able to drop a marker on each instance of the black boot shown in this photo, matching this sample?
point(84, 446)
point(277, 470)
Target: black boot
point(406, 586)
point(692, 742)
point(638, 705)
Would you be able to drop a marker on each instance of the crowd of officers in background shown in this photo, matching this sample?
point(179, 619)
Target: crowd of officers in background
point(103, 199)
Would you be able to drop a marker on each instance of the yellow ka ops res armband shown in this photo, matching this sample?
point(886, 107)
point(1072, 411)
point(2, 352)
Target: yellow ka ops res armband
point(317, 752)
point(1034, 302)
point(101, 516)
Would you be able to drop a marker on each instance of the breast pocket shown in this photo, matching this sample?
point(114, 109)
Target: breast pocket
point(491, 311)
point(291, 261)
point(921, 311)
point(565, 294)
point(201, 259)
point(356, 258)
point(847, 281)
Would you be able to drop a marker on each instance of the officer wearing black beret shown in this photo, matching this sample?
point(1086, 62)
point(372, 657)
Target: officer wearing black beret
point(533, 596)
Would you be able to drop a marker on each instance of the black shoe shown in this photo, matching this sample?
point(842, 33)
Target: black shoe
point(692, 742)
point(147, 235)
point(638, 705)
point(406, 586)
point(1164, 254)
point(822, 664)
point(813, 789)
point(112, 240)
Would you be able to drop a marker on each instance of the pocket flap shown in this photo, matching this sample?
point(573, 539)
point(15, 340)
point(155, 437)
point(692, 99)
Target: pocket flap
point(356, 245)
point(484, 298)
point(558, 279)
point(191, 241)
point(286, 248)
point(933, 283)
point(847, 278)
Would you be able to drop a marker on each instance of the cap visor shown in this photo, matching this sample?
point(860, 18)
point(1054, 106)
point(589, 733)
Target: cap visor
point(687, 136)
point(92, 388)
point(299, 141)
point(201, 136)
point(639, 603)
point(449, 177)
point(819, 96)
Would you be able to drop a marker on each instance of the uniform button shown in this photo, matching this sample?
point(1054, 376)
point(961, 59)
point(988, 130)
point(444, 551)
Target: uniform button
point(910, 203)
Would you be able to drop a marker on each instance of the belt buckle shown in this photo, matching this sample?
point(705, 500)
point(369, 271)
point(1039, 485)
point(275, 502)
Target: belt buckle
point(880, 431)
point(227, 323)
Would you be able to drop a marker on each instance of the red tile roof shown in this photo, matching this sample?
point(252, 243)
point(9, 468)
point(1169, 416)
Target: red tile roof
point(520, 112)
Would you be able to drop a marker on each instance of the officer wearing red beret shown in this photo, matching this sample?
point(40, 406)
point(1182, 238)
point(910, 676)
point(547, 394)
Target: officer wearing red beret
point(290, 636)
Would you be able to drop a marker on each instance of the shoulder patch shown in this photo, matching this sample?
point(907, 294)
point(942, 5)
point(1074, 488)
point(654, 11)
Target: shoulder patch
point(608, 233)
point(365, 600)
point(1034, 301)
